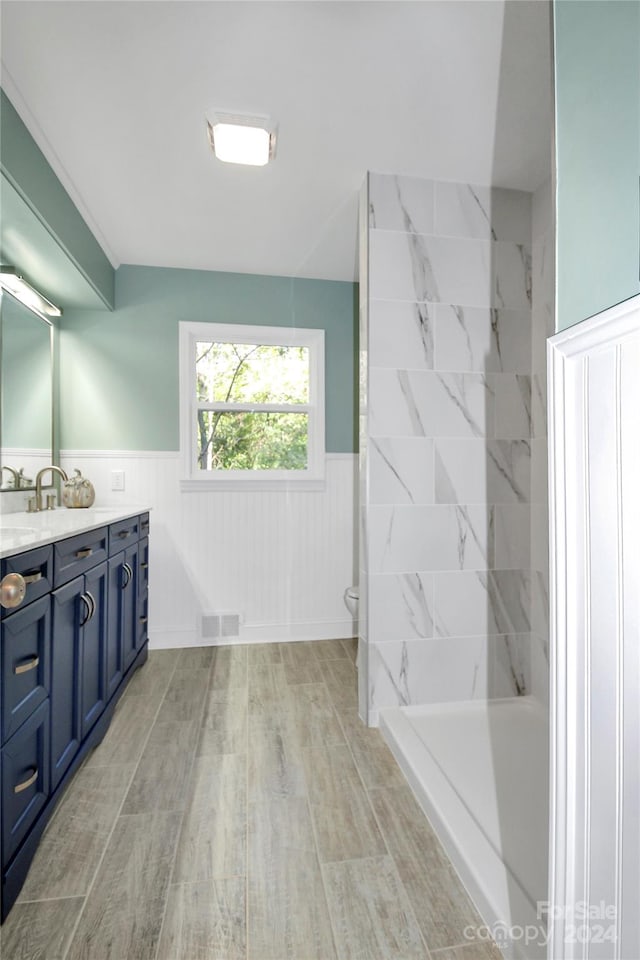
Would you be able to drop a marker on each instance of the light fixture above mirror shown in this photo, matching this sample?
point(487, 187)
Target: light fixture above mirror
point(12, 281)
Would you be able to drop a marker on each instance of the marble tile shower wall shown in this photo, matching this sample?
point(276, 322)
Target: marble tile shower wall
point(447, 574)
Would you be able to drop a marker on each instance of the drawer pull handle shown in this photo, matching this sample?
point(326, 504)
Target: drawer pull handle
point(12, 590)
point(144, 566)
point(32, 577)
point(124, 533)
point(143, 619)
point(26, 666)
point(19, 787)
point(83, 554)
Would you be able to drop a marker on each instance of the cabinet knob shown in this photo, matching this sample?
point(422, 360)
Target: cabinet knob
point(12, 590)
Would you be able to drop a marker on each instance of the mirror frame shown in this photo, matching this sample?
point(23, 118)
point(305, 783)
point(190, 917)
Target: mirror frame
point(49, 323)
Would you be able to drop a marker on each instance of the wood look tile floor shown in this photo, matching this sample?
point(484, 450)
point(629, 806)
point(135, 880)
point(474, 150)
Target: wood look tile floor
point(237, 809)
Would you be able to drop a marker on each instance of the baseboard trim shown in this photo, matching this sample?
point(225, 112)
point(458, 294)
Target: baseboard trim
point(298, 630)
point(257, 633)
point(173, 639)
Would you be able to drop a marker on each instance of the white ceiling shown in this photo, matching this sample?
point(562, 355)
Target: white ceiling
point(116, 93)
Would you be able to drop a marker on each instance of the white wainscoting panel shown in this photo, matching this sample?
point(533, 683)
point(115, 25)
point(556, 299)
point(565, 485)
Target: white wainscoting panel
point(280, 559)
point(595, 654)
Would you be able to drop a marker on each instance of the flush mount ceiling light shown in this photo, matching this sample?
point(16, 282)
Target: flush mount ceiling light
point(238, 139)
point(11, 280)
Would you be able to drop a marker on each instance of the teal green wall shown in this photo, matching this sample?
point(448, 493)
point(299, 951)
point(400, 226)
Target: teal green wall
point(119, 371)
point(26, 170)
point(597, 80)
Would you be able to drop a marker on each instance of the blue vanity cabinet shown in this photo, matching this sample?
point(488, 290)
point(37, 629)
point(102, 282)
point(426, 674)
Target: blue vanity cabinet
point(66, 655)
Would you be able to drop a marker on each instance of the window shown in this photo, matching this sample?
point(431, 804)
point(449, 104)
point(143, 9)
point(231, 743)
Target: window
point(252, 405)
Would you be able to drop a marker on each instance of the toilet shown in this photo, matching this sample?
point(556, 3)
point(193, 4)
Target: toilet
point(351, 596)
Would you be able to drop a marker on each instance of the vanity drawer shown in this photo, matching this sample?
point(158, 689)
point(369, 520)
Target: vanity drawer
point(25, 779)
point(26, 664)
point(144, 525)
point(36, 566)
point(77, 554)
point(123, 533)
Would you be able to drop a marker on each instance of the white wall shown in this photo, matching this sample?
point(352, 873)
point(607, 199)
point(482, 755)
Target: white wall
point(286, 561)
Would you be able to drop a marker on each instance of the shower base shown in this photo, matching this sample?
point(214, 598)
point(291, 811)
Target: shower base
point(479, 770)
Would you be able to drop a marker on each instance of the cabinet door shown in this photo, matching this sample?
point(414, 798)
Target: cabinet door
point(94, 648)
point(122, 615)
point(26, 639)
point(25, 779)
point(69, 614)
point(117, 578)
point(143, 592)
point(130, 607)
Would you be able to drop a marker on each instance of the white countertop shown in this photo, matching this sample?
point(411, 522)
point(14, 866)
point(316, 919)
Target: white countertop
point(23, 531)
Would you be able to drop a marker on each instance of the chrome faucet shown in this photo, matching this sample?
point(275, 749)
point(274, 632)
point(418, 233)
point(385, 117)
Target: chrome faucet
point(14, 473)
point(39, 476)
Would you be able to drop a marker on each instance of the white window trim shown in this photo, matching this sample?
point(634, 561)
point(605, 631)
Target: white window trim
point(193, 479)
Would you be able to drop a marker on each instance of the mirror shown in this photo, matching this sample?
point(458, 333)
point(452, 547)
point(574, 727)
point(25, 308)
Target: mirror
point(26, 394)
